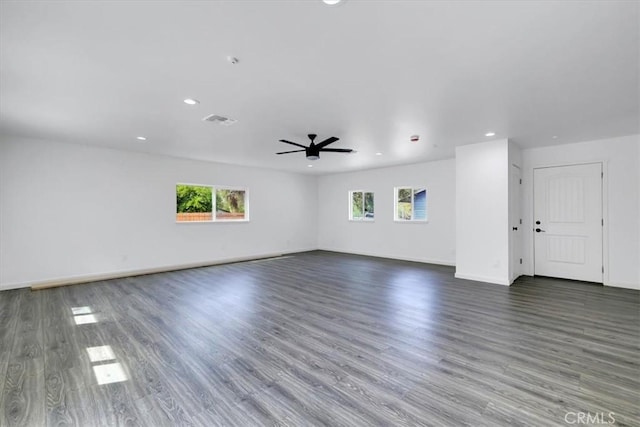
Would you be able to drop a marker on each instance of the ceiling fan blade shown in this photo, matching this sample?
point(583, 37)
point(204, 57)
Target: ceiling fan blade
point(287, 152)
point(327, 142)
point(337, 150)
point(292, 143)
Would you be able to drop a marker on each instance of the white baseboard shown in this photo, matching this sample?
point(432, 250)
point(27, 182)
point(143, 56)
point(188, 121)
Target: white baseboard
point(72, 280)
point(374, 255)
point(635, 286)
point(486, 279)
point(9, 286)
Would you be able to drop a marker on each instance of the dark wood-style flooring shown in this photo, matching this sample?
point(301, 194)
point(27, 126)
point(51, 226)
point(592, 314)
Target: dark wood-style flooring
point(318, 339)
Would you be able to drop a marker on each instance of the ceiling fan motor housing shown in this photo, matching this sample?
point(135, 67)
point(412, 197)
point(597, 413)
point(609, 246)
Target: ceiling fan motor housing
point(312, 152)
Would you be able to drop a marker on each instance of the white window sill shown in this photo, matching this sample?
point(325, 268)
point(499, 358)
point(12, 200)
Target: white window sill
point(220, 221)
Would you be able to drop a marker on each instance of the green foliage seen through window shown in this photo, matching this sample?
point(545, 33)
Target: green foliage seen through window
point(193, 198)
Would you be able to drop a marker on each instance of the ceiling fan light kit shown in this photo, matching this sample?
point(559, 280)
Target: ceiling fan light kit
point(312, 152)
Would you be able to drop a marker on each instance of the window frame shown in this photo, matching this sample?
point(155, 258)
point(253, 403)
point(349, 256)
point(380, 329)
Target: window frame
point(395, 205)
point(246, 203)
point(364, 218)
point(214, 189)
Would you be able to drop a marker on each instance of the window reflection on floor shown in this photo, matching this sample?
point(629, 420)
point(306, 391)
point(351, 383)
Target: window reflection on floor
point(101, 353)
point(81, 310)
point(83, 315)
point(109, 373)
point(83, 319)
point(105, 373)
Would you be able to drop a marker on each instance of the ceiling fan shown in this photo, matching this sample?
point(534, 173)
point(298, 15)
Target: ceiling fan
point(313, 150)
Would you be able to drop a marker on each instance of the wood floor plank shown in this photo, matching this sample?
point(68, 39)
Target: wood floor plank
point(9, 305)
point(318, 339)
point(23, 396)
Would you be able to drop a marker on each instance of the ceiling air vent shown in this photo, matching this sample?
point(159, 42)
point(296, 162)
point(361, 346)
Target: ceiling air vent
point(214, 118)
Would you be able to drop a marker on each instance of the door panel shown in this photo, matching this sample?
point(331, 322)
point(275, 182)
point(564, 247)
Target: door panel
point(568, 222)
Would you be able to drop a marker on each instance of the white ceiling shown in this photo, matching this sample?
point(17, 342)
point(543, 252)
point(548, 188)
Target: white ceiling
point(369, 72)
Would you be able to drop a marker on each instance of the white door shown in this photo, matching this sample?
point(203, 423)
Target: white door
point(515, 221)
point(568, 222)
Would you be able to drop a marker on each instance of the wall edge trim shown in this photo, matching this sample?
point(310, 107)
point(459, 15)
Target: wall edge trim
point(485, 279)
point(88, 278)
point(398, 258)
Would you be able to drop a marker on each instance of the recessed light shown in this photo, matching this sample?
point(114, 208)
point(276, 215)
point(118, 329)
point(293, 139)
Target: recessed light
point(141, 138)
point(332, 2)
point(191, 101)
point(378, 154)
point(309, 166)
point(490, 134)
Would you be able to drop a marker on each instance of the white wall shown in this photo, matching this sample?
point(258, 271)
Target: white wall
point(621, 158)
point(71, 210)
point(482, 212)
point(432, 242)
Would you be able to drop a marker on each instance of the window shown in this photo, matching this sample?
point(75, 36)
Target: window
point(411, 204)
point(194, 203)
point(361, 206)
point(230, 204)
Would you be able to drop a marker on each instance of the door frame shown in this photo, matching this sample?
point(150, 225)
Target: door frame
point(518, 271)
point(605, 212)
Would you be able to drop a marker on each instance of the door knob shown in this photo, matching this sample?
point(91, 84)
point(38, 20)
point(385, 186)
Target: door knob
point(515, 228)
point(537, 222)
point(539, 230)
